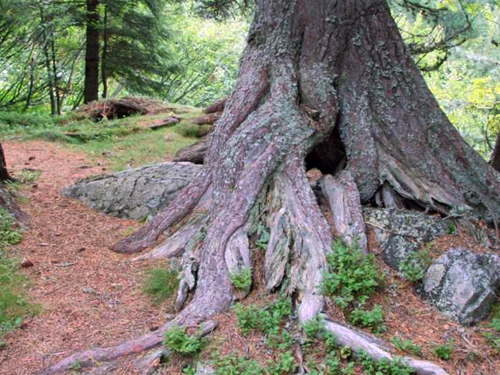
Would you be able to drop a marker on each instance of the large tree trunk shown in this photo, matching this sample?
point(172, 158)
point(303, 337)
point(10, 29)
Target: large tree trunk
point(91, 85)
point(332, 79)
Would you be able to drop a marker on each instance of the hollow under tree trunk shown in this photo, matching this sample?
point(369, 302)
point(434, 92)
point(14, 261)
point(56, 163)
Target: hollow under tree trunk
point(333, 75)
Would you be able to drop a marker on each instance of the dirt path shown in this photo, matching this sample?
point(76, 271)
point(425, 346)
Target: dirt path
point(89, 296)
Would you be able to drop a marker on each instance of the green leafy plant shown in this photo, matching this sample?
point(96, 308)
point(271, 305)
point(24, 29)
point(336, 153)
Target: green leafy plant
point(76, 366)
point(444, 351)
point(264, 237)
point(178, 341)
point(414, 266)
point(406, 345)
point(266, 319)
point(315, 328)
point(189, 370)
point(493, 338)
point(8, 234)
point(285, 364)
point(373, 318)
point(27, 176)
point(351, 276)
point(234, 364)
point(383, 367)
point(282, 341)
point(450, 227)
point(160, 284)
point(241, 279)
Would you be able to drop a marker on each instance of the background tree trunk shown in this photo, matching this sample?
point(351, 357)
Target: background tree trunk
point(105, 52)
point(495, 155)
point(91, 88)
point(4, 174)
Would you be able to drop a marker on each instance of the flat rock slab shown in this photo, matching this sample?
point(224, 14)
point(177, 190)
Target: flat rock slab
point(462, 285)
point(135, 193)
point(400, 232)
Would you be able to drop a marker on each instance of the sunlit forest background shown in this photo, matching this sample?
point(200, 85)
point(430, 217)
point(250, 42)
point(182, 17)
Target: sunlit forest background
point(182, 52)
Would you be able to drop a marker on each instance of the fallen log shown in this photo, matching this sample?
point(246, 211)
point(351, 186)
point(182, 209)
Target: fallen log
point(209, 119)
point(169, 121)
point(194, 153)
point(218, 106)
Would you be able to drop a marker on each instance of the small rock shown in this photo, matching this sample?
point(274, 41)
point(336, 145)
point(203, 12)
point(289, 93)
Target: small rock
point(462, 285)
point(26, 263)
point(81, 249)
point(31, 158)
point(88, 290)
point(202, 369)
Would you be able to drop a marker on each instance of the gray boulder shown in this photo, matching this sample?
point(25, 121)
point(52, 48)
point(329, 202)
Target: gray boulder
point(462, 284)
point(135, 193)
point(400, 232)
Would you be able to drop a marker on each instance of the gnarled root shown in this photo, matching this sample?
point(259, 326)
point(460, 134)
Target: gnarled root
point(94, 357)
point(377, 349)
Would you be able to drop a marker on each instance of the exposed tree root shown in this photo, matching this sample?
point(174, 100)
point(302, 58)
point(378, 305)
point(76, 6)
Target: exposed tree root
point(343, 198)
point(96, 357)
point(377, 349)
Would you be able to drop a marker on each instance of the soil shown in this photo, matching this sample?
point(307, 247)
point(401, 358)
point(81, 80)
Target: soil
point(91, 297)
point(88, 295)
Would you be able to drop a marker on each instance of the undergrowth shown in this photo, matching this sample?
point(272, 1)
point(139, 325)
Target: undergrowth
point(265, 319)
point(350, 280)
point(178, 341)
point(160, 284)
point(123, 143)
point(241, 279)
point(13, 304)
point(415, 265)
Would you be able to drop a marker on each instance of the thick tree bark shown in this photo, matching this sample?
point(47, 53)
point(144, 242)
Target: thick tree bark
point(91, 85)
point(4, 173)
point(323, 77)
point(495, 155)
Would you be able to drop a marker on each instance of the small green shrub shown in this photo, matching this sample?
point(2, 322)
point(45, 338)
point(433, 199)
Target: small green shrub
point(178, 341)
point(241, 279)
point(13, 305)
point(8, 234)
point(189, 370)
point(373, 318)
point(27, 176)
point(383, 367)
point(493, 338)
point(160, 284)
point(235, 365)
point(414, 266)
point(444, 351)
point(264, 237)
point(13, 120)
point(450, 227)
point(266, 319)
point(406, 345)
point(351, 276)
point(285, 364)
point(282, 341)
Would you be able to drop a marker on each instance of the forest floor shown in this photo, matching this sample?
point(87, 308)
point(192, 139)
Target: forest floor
point(91, 297)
